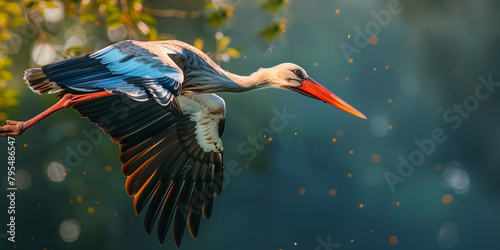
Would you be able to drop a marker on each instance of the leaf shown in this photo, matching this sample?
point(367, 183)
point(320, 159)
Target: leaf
point(114, 25)
point(147, 18)
point(198, 43)
point(6, 75)
point(113, 18)
point(74, 51)
point(153, 34)
point(5, 35)
point(18, 21)
point(10, 93)
point(4, 19)
point(224, 42)
point(4, 62)
point(12, 8)
point(274, 6)
point(88, 17)
point(233, 53)
point(52, 5)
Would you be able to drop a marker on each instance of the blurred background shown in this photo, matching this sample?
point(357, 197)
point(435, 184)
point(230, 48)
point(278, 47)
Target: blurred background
point(326, 179)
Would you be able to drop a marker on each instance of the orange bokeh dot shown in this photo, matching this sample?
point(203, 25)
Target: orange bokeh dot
point(361, 205)
point(302, 191)
point(438, 167)
point(393, 240)
point(334, 139)
point(25, 145)
point(108, 168)
point(349, 175)
point(374, 39)
point(376, 158)
point(447, 198)
point(386, 66)
point(340, 133)
point(389, 127)
point(389, 101)
point(351, 152)
point(333, 192)
point(350, 60)
point(270, 139)
point(337, 11)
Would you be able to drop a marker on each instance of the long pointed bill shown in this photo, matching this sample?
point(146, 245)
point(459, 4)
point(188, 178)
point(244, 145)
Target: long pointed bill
point(315, 90)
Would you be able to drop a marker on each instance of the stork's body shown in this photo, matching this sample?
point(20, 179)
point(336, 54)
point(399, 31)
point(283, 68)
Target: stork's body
point(156, 100)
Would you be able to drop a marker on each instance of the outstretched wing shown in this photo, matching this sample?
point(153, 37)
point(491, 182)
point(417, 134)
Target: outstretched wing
point(139, 69)
point(171, 157)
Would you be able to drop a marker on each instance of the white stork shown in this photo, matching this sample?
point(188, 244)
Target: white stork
point(156, 99)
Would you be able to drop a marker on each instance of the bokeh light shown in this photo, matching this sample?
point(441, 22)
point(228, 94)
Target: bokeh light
point(56, 172)
point(23, 179)
point(447, 236)
point(455, 177)
point(69, 230)
point(380, 125)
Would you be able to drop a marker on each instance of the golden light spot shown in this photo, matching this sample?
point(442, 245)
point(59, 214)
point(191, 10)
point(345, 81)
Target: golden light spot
point(439, 110)
point(116, 214)
point(337, 11)
point(245, 57)
point(349, 175)
point(91, 210)
point(65, 174)
point(333, 192)
point(352, 240)
point(334, 139)
point(302, 191)
point(438, 167)
point(374, 39)
point(393, 240)
point(376, 158)
point(295, 243)
point(340, 133)
point(361, 205)
point(389, 101)
point(350, 60)
point(447, 198)
point(25, 145)
point(79, 199)
point(389, 127)
point(386, 66)
point(270, 139)
point(108, 168)
point(351, 152)
point(348, 36)
point(346, 78)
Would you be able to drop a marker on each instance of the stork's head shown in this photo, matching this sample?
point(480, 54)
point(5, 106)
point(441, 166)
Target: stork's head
point(293, 77)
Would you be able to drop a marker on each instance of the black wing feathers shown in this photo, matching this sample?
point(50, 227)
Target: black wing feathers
point(162, 159)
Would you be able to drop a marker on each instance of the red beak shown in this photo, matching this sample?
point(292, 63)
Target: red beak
point(313, 89)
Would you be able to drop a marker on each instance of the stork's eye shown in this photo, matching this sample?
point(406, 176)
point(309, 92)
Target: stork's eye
point(298, 73)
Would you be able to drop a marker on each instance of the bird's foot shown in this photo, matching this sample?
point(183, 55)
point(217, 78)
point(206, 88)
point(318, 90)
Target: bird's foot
point(10, 128)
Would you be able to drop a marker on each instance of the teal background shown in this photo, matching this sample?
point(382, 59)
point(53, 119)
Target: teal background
point(435, 51)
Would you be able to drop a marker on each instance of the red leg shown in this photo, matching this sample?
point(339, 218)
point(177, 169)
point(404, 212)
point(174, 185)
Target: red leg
point(10, 128)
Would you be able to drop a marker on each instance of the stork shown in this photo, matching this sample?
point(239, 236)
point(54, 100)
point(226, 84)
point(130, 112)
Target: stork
point(156, 99)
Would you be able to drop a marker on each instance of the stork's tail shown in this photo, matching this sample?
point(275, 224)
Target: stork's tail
point(39, 82)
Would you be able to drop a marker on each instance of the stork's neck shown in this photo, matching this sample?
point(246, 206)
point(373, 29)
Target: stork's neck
point(239, 83)
point(215, 79)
